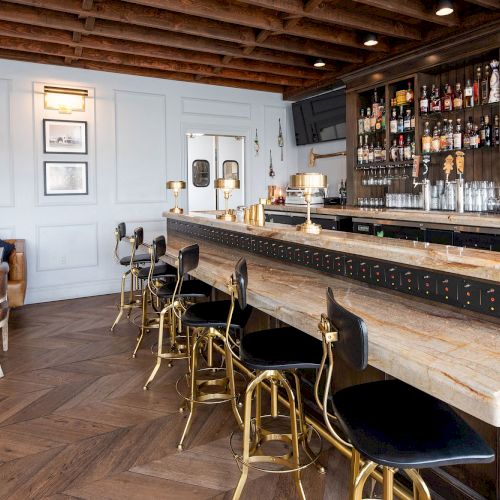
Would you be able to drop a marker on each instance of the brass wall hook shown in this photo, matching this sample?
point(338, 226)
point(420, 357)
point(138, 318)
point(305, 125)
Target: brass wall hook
point(314, 156)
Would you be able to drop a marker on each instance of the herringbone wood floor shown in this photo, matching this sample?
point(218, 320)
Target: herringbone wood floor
point(76, 423)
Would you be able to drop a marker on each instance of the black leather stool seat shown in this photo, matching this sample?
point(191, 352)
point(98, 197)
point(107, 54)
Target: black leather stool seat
point(214, 315)
point(190, 288)
point(397, 425)
point(138, 258)
point(159, 270)
point(280, 349)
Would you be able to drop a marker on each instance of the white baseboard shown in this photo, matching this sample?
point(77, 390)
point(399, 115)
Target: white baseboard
point(72, 291)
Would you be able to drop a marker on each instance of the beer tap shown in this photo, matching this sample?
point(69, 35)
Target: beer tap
point(425, 182)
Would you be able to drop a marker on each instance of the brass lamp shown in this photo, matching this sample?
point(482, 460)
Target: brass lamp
point(176, 186)
point(227, 185)
point(308, 183)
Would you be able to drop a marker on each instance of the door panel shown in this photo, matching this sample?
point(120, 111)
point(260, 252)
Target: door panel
point(200, 151)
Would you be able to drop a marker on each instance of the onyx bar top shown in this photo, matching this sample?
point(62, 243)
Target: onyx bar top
point(444, 352)
point(418, 216)
point(464, 262)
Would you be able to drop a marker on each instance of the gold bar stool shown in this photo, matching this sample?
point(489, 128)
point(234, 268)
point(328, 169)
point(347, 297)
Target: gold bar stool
point(177, 297)
point(391, 424)
point(211, 385)
point(271, 354)
point(155, 276)
point(133, 262)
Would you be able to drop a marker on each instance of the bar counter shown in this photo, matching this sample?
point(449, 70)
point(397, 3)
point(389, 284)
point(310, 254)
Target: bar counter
point(482, 220)
point(442, 351)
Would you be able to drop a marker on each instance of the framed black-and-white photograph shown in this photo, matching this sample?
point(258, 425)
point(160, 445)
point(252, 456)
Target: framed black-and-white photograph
point(65, 178)
point(63, 136)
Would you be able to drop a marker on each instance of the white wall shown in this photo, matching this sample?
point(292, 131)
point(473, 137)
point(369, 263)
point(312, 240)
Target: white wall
point(137, 132)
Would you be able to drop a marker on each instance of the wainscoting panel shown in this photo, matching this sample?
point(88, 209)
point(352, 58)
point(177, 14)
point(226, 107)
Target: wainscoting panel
point(6, 171)
point(214, 107)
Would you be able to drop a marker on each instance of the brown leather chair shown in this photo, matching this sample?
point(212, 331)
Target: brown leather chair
point(4, 307)
point(18, 279)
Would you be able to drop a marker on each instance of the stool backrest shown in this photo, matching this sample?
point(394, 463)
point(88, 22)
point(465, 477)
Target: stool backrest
point(352, 343)
point(241, 282)
point(121, 229)
point(188, 259)
point(159, 247)
point(138, 237)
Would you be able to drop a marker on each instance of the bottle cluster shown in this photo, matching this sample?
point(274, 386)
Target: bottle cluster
point(370, 152)
point(372, 119)
point(448, 135)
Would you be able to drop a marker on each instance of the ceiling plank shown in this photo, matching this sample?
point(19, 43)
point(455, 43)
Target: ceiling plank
point(489, 4)
point(310, 5)
point(328, 13)
point(413, 8)
point(57, 20)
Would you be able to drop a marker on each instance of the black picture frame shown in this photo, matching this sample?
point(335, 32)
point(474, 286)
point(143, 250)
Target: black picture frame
point(47, 149)
point(51, 191)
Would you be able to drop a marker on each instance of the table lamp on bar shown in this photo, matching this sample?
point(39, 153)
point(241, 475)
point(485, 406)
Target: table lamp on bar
point(227, 185)
point(308, 183)
point(176, 186)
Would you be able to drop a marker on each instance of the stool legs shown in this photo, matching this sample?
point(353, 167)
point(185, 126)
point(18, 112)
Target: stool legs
point(420, 489)
point(143, 320)
point(4, 326)
point(361, 478)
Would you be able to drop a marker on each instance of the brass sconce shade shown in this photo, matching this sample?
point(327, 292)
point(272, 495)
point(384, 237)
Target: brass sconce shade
point(64, 100)
point(176, 186)
point(227, 185)
point(308, 182)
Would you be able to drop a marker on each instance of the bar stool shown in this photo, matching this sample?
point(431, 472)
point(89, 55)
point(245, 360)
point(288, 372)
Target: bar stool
point(133, 262)
point(4, 308)
point(177, 296)
point(156, 275)
point(271, 353)
point(211, 385)
point(389, 423)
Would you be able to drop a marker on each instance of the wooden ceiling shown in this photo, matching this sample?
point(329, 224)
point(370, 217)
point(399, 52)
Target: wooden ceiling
point(266, 45)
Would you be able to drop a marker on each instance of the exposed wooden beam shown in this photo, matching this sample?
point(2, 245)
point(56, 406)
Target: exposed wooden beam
point(57, 20)
point(33, 46)
point(328, 13)
point(310, 5)
point(413, 8)
point(489, 4)
point(116, 68)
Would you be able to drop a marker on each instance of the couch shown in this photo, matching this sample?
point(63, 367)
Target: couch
point(18, 280)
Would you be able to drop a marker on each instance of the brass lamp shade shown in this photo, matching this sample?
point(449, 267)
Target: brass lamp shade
point(176, 186)
point(227, 184)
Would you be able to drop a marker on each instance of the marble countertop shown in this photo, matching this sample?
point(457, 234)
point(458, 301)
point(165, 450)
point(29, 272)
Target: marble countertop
point(418, 216)
point(466, 262)
point(443, 352)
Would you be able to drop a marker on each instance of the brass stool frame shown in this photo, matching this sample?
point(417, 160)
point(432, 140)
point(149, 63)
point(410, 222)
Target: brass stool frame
point(358, 475)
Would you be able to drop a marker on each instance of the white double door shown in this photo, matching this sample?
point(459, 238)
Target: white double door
point(211, 157)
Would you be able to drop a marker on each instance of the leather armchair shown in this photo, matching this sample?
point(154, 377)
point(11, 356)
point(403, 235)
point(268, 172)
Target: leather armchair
point(18, 278)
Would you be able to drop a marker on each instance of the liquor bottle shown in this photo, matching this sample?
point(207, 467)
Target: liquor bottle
point(436, 100)
point(393, 152)
point(485, 85)
point(360, 150)
point(426, 139)
point(487, 132)
point(495, 134)
point(449, 135)
point(370, 153)
point(412, 150)
point(407, 149)
point(436, 140)
point(401, 148)
point(477, 86)
point(494, 83)
point(361, 122)
point(469, 95)
point(375, 105)
point(367, 120)
point(424, 101)
point(458, 99)
point(373, 121)
point(457, 135)
point(474, 139)
point(409, 94)
point(448, 98)
point(365, 150)
point(407, 120)
point(401, 125)
point(393, 124)
point(482, 132)
point(412, 122)
point(377, 153)
point(382, 113)
point(468, 135)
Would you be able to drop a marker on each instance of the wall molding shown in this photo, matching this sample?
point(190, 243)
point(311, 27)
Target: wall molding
point(197, 103)
point(8, 132)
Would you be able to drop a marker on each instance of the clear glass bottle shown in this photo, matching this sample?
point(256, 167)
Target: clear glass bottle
point(426, 139)
point(361, 122)
point(409, 94)
point(382, 113)
point(474, 140)
point(407, 149)
point(365, 150)
point(400, 120)
point(469, 95)
point(360, 150)
point(424, 100)
point(457, 135)
point(449, 135)
point(401, 148)
point(436, 141)
point(377, 153)
point(373, 121)
point(412, 121)
point(485, 85)
point(393, 123)
point(442, 135)
point(407, 121)
point(370, 153)
point(495, 133)
point(367, 120)
point(477, 86)
point(487, 132)
point(458, 100)
point(393, 153)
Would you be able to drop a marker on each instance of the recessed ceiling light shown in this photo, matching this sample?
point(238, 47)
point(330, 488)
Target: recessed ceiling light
point(319, 63)
point(370, 40)
point(444, 8)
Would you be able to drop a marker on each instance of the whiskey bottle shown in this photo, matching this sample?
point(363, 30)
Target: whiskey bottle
point(375, 106)
point(401, 148)
point(370, 153)
point(485, 85)
point(449, 135)
point(393, 153)
point(436, 100)
point(407, 149)
point(448, 98)
point(382, 113)
point(482, 132)
point(407, 121)
point(377, 153)
point(474, 138)
point(393, 124)
point(495, 133)
point(426, 139)
point(424, 101)
point(373, 121)
point(361, 122)
point(477, 86)
point(367, 120)
point(487, 132)
point(458, 99)
point(409, 94)
point(436, 140)
point(401, 125)
point(457, 135)
point(469, 95)
point(365, 150)
point(412, 122)
point(442, 135)
point(360, 150)
point(468, 135)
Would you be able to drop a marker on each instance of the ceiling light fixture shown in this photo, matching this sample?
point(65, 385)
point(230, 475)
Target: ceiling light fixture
point(370, 40)
point(319, 63)
point(444, 8)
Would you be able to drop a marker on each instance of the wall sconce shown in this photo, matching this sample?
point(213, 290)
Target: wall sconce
point(64, 100)
point(176, 186)
point(227, 185)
